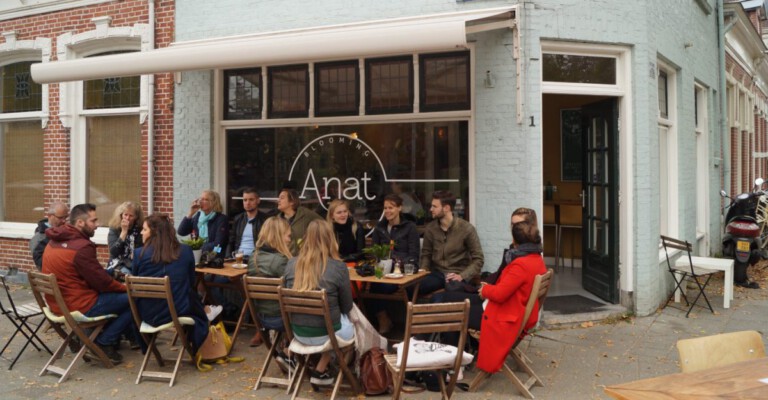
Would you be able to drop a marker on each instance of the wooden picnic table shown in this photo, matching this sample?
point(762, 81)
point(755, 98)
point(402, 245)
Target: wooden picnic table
point(742, 380)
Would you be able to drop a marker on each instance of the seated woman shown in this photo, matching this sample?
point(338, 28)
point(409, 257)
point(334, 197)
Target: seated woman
point(349, 234)
point(207, 220)
point(507, 299)
point(124, 237)
point(318, 267)
point(163, 255)
point(269, 260)
point(407, 248)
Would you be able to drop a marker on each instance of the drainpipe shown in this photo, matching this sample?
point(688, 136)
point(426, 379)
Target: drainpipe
point(151, 119)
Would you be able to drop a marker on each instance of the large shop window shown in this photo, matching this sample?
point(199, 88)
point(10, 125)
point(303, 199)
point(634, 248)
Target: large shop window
point(22, 176)
point(112, 92)
point(114, 162)
point(362, 163)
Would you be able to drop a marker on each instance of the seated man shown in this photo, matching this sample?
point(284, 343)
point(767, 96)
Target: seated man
point(246, 225)
point(57, 215)
point(85, 284)
point(451, 250)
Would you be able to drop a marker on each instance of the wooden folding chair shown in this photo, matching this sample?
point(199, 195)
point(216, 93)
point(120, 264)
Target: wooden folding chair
point(266, 289)
point(46, 285)
point(160, 289)
point(19, 315)
point(431, 318)
point(681, 273)
point(315, 302)
point(719, 350)
point(541, 284)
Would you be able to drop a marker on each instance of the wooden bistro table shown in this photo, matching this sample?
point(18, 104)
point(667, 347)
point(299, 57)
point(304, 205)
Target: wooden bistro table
point(364, 291)
point(742, 380)
point(234, 276)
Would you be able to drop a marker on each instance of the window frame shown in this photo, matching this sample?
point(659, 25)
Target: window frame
point(668, 155)
point(271, 114)
point(317, 67)
point(227, 73)
point(423, 107)
point(407, 109)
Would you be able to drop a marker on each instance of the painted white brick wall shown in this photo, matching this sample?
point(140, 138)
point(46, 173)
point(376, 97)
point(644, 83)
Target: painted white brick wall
point(192, 159)
point(507, 155)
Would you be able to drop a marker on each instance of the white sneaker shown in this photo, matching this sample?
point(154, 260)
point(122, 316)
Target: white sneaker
point(213, 312)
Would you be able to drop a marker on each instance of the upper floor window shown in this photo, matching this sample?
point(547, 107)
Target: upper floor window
point(663, 95)
point(444, 82)
point(579, 69)
point(20, 92)
point(112, 92)
point(389, 85)
point(337, 88)
point(242, 94)
point(289, 91)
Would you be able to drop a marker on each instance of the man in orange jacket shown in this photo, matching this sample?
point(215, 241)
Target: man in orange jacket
point(85, 284)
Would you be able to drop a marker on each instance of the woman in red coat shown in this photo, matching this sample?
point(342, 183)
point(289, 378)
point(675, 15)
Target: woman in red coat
point(506, 301)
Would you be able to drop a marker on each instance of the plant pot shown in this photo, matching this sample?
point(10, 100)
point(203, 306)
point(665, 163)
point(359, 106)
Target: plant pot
point(197, 253)
point(386, 266)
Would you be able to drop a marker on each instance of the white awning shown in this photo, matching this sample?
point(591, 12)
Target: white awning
point(370, 38)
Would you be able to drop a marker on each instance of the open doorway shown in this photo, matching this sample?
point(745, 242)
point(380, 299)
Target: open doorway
point(580, 180)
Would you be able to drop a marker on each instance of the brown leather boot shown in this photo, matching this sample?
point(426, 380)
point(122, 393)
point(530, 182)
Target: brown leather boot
point(256, 340)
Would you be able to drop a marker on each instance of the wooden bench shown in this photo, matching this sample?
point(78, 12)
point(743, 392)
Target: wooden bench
point(710, 263)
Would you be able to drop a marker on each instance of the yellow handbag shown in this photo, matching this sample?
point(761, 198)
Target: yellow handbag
point(215, 349)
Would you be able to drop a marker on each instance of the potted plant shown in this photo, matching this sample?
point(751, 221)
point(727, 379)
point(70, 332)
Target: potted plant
point(383, 254)
point(196, 244)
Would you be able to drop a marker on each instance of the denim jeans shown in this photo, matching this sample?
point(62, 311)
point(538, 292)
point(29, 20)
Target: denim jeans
point(113, 303)
point(346, 332)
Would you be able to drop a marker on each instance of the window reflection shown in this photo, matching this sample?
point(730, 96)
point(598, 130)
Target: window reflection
point(362, 163)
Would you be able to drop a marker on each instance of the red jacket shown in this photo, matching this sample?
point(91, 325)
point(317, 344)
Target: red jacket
point(504, 313)
point(71, 256)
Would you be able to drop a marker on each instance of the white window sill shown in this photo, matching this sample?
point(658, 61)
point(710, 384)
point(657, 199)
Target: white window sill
point(20, 230)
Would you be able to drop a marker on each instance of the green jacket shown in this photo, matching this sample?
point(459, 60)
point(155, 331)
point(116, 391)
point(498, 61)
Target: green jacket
point(268, 263)
point(299, 224)
point(457, 250)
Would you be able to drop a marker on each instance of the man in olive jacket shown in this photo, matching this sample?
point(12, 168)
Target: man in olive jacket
point(451, 250)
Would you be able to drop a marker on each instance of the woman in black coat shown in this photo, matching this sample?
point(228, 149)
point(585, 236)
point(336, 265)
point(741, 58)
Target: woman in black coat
point(349, 234)
point(163, 255)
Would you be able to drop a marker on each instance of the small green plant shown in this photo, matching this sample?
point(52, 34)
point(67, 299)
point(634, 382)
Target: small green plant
point(380, 251)
point(195, 244)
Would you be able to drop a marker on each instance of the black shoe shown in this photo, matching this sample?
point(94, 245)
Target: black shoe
point(748, 284)
point(286, 364)
point(115, 357)
point(321, 378)
point(74, 344)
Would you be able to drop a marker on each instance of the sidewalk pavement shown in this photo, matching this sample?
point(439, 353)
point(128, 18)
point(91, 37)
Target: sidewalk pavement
point(575, 362)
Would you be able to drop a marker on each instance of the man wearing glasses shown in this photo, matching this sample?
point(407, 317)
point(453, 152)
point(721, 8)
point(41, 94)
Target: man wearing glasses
point(57, 215)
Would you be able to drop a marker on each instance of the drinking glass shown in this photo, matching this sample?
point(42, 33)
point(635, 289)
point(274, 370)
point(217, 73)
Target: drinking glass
point(379, 271)
point(409, 268)
point(239, 257)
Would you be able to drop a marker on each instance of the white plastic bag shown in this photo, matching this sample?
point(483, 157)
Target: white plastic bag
point(427, 354)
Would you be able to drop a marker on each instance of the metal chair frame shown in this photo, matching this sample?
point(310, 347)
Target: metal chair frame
point(19, 315)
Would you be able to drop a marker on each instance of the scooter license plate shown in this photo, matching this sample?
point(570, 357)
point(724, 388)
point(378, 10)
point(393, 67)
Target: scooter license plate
point(742, 246)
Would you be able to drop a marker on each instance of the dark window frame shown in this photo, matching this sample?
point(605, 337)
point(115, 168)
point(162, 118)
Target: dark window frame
point(272, 114)
point(239, 71)
point(317, 70)
point(34, 96)
point(664, 111)
point(423, 106)
point(391, 110)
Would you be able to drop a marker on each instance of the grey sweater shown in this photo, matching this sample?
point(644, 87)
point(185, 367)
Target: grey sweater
point(336, 283)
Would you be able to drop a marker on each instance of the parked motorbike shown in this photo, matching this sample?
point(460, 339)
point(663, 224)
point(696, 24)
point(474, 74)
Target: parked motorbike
point(742, 233)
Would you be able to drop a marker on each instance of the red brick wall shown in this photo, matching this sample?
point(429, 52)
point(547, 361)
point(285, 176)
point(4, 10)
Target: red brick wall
point(15, 252)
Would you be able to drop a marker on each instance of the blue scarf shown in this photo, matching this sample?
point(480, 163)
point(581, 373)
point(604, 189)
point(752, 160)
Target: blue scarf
point(202, 223)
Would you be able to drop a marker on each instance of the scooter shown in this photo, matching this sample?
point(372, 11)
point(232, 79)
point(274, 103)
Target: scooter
point(742, 234)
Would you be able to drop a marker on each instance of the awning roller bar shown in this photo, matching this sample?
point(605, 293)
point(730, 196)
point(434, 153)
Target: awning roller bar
point(377, 38)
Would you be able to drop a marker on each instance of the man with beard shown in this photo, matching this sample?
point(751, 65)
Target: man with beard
point(85, 285)
point(451, 250)
point(246, 225)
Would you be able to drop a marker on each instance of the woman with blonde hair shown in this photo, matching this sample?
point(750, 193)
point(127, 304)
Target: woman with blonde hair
point(349, 234)
point(124, 236)
point(269, 260)
point(207, 220)
point(318, 267)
